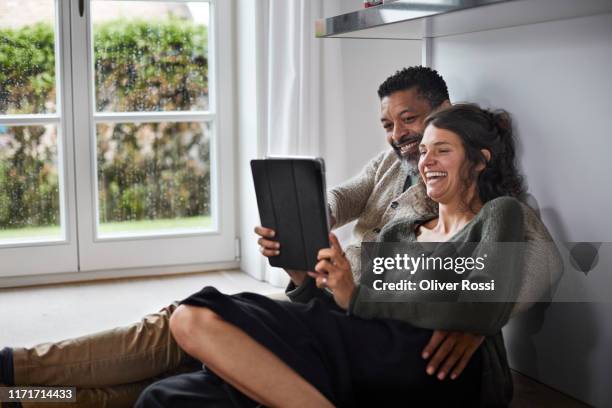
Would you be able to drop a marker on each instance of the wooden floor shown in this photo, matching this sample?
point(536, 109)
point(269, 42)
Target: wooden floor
point(33, 315)
point(529, 393)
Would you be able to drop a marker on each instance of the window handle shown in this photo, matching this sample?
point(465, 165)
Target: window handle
point(81, 7)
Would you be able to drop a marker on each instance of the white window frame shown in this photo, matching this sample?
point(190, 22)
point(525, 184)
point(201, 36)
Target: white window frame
point(201, 248)
point(49, 256)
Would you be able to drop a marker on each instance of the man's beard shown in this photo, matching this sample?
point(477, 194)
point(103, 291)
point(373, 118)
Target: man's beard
point(411, 156)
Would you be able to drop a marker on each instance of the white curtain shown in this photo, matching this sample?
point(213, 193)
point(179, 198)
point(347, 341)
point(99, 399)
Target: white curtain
point(297, 69)
point(294, 77)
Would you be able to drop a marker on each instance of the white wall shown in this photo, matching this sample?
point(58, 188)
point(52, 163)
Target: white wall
point(365, 64)
point(555, 79)
point(353, 70)
point(352, 109)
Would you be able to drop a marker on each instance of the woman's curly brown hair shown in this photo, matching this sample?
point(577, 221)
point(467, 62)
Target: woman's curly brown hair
point(484, 129)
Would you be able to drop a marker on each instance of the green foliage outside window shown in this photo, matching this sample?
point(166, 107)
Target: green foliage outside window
point(145, 171)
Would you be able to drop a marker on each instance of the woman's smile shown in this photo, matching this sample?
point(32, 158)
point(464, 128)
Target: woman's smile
point(441, 159)
point(433, 176)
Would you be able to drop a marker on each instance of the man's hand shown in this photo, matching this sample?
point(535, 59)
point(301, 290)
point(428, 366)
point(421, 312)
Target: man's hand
point(454, 349)
point(334, 272)
point(269, 247)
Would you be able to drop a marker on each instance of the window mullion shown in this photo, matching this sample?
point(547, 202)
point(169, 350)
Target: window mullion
point(29, 120)
point(153, 117)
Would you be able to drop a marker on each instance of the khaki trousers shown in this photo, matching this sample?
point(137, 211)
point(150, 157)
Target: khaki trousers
point(110, 368)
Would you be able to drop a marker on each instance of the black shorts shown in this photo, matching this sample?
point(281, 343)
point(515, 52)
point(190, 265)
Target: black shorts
point(352, 361)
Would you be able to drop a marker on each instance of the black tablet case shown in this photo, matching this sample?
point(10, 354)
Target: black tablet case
point(291, 198)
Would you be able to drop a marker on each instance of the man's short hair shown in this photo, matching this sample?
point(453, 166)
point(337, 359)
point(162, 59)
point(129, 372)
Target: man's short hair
point(429, 83)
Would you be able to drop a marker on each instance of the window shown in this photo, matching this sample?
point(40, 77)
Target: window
point(132, 172)
point(153, 165)
point(30, 115)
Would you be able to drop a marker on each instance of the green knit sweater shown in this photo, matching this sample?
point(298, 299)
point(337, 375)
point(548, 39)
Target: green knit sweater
point(369, 198)
point(500, 220)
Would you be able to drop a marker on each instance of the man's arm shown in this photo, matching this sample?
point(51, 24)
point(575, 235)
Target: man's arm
point(454, 349)
point(347, 200)
point(543, 266)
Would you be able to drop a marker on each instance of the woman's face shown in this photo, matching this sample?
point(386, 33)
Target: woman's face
point(442, 164)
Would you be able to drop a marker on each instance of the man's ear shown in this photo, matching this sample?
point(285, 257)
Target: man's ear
point(487, 156)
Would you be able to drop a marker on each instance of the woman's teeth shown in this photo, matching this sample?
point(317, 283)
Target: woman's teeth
point(435, 174)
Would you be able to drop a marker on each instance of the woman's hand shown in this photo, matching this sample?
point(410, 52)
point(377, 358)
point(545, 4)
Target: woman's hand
point(334, 272)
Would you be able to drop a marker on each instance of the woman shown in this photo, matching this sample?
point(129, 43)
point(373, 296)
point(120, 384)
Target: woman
point(356, 352)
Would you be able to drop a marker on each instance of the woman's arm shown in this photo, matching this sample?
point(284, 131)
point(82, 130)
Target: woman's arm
point(499, 231)
point(307, 291)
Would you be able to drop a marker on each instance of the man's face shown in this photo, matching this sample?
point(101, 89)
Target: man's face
point(403, 115)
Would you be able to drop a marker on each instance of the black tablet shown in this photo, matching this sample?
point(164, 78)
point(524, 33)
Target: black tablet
point(292, 200)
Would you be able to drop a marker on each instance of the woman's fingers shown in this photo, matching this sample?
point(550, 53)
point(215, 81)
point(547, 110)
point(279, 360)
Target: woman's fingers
point(327, 273)
point(325, 266)
point(333, 240)
point(334, 253)
point(321, 279)
point(325, 253)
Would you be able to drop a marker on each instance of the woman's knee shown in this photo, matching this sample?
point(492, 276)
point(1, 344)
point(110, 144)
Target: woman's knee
point(186, 321)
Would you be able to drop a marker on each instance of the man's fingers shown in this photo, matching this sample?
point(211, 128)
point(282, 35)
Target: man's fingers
point(269, 252)
point(434, 342)
point(265, 232)
point(467, 356)
point(266, 243)
point(268, 248)
point(440, 355)
point(465, 359)
point(455, 355)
